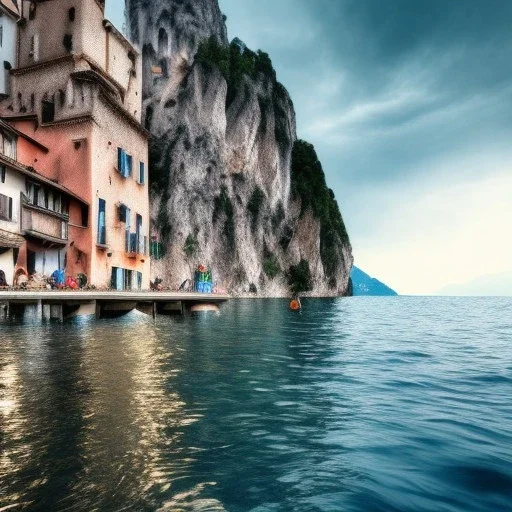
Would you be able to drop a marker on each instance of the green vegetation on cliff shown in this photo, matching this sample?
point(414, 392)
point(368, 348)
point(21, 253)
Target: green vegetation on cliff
point(236, 61)
point(299, 277)
point(223, 205)
point(309, 186)
point(190, 246)
point(254, 207)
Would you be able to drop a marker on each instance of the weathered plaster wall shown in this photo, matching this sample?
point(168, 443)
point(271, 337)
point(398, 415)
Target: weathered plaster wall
point(7, 265)
point(7, 51)
point(67, 162)
point(50, 40)
point(30, 89)
point(109, 133)
point(14, 185)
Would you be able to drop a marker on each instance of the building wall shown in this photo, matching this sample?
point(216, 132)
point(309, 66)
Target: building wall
point(83, 154)
point(49, 260)
point(7, 50)
point(110, 133)
point(126, 72)
point(67, 162)
point(14, 185)
point(49, 83)
point(7, 265)
point(94, 35)
point(50, 43)
point(108, 50)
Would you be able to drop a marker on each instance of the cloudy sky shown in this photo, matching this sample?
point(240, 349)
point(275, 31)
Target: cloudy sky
point(409, 104)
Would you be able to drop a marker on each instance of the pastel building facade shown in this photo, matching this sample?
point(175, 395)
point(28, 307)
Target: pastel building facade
point(36, 214)
point(9, 15)
point(76, 90)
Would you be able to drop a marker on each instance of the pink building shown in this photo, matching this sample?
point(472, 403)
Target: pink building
point(37, 216)
point(76, 90)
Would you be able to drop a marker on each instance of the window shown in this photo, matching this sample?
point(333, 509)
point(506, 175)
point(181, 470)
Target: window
point(2, 173)
point(34, 47)
point(33, 194)
point(139, 235)
point(156, 250)
point(1, 35)
point(48, 111)
point(67, 41)
point(123, 213)
point(127, 220)
point(122, 279)
point(124, 163)
point(9, 148)
point(117, 279)
point(142, 173)
point(32, 11)
point(85, 215)
point(102, 227)
point(71, 14)
point(5, 207)
point(128, 279)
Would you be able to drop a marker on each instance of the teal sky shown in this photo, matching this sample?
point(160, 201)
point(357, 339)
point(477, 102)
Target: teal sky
point(409, 106)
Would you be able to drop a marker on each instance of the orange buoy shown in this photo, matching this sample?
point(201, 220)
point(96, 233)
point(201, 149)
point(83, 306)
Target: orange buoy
point(294, 305)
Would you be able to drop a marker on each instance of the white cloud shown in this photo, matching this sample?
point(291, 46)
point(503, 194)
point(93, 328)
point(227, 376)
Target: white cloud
point(431, 236)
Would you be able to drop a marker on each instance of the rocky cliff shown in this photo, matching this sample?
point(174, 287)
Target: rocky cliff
point(230, 184)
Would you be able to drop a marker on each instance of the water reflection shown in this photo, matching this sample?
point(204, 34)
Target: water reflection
point(43, 418)
point(350, 406)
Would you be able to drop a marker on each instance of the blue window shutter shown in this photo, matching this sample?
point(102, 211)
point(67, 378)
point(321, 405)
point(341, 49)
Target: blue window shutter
point(102, 234)
point(123, 168)
point(128, 165)
point(142, 174)
point(120, 279)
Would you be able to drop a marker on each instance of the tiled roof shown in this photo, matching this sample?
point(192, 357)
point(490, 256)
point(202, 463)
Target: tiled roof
point(10, 240)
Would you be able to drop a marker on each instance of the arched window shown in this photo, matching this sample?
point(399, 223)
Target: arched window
point(163, 42)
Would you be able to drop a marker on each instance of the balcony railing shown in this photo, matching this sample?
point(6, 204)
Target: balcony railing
point(135, 245)
point(44, 224)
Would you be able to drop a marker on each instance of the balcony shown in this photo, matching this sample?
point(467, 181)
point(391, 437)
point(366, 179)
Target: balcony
point(45, 225)
point(135, 245)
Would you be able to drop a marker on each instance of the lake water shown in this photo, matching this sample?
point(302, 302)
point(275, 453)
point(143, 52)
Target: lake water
point(363, 404)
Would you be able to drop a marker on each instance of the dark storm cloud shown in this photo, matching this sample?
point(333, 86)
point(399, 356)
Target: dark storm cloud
point(377, 36)
point(381, 85)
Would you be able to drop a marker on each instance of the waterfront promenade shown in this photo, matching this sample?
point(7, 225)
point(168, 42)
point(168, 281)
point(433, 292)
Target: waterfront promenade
point(57, 305)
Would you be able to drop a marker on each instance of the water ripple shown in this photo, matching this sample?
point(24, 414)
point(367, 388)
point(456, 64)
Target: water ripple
point(367, 404)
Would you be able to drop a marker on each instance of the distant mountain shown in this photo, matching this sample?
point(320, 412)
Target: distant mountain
point(363, 284)
point(489, 285)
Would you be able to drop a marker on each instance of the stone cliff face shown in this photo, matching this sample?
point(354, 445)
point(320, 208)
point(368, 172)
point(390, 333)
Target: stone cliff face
point(230, 184)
